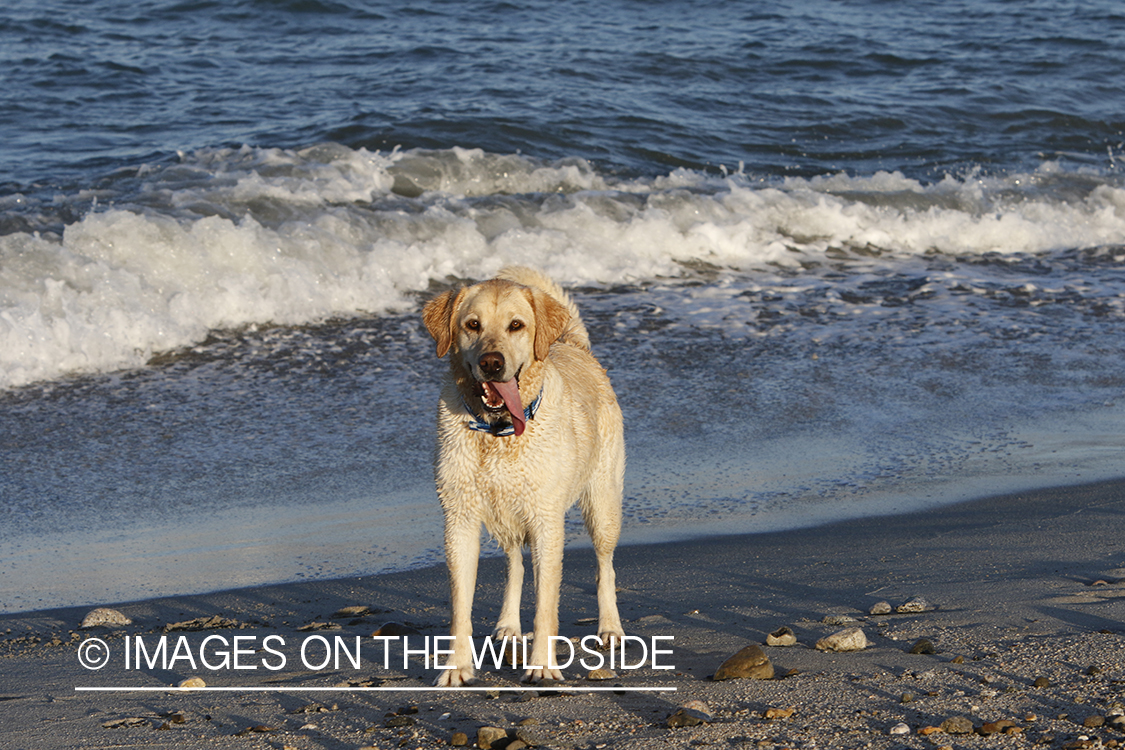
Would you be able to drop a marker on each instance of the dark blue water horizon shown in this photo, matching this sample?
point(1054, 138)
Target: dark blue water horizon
point(641, 88)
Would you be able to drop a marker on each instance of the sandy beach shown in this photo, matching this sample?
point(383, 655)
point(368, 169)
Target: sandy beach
point(1024, 610)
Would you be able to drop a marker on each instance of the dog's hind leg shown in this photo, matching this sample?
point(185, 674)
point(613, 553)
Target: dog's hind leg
point(601, 510)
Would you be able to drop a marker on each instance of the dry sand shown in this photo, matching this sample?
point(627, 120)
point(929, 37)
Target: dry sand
point(1026, 587)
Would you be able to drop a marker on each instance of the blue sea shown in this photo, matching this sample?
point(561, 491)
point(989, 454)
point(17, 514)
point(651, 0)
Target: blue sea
point(840, 258)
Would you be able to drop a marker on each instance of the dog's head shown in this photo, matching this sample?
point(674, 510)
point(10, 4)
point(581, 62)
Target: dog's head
point(496, 330)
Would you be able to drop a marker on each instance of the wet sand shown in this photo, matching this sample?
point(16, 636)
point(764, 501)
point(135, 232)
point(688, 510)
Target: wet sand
point(1028, 626)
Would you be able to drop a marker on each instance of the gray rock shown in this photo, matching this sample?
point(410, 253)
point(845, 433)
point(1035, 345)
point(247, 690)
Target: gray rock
point(487, 735)
point(922, 646)
point(751, 662)
point(202, 623)
point(850, 639)
point(957, 725)
point(700, 706)
point(687, 717)
point(917, 604)
point(839, 620)
point(880, 608)
point(782, 637)
point(533, 737)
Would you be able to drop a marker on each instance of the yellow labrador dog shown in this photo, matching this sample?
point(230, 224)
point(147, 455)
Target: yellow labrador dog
point(528, 424)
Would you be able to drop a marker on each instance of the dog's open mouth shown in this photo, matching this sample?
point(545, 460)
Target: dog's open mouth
point(497, 396)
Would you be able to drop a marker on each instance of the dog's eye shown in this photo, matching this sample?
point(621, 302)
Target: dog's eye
point(515, 325)
point(473, 325)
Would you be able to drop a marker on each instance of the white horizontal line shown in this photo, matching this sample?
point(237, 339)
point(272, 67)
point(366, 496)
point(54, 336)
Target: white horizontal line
point(407, 689)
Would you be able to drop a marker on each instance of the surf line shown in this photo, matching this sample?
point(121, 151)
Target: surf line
point(361, 689)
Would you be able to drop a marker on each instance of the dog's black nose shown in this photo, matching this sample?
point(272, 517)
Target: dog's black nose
point(491, 364)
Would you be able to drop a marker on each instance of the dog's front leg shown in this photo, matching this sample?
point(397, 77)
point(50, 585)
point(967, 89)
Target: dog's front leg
point(547, 557)
point(462, 551)
point(508, 626)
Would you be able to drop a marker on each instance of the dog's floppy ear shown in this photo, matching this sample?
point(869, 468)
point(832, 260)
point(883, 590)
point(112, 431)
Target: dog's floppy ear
point(551, 319)
point(438, 317)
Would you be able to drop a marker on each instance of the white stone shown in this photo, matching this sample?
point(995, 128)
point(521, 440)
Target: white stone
point(850, 639)
point(917, 604)
point(103, 617)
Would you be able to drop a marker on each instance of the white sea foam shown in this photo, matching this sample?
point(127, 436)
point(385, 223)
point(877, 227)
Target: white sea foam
point(229, 238)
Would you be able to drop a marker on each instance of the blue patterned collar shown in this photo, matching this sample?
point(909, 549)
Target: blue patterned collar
point(501, 429)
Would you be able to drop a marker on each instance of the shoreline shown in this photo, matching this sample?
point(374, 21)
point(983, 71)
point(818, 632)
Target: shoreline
point(1025, 586)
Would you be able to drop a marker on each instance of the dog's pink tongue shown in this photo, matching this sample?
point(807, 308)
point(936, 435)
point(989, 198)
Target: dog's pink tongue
point(510, 392)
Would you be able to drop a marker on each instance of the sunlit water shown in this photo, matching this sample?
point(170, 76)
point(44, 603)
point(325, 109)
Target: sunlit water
point(839, 260)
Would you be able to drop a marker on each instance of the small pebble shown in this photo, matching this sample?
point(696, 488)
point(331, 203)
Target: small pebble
point(192, 682)
point(459, 739)
point(132, 721)
point(917, 604)
point(900, 729)
point(996, 727)
point(395, 630)
point(774, 714)
point(353, 611)
point(687, 717)
point(256, 729)
point(838, 620)
point(601, 674)
point(880, 608)
point(922, 646)
point(214, 622)
point(1041, 682)
point(698, 705)
point(957, 725)
point(906, 698)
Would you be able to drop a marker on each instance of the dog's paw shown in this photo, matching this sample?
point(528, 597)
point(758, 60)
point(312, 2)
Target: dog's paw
point(456, 677)
point(543, 675)
point(506, 631)
point(610, 639)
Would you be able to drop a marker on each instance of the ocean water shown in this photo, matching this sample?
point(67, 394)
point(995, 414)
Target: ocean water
point(840, 258)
